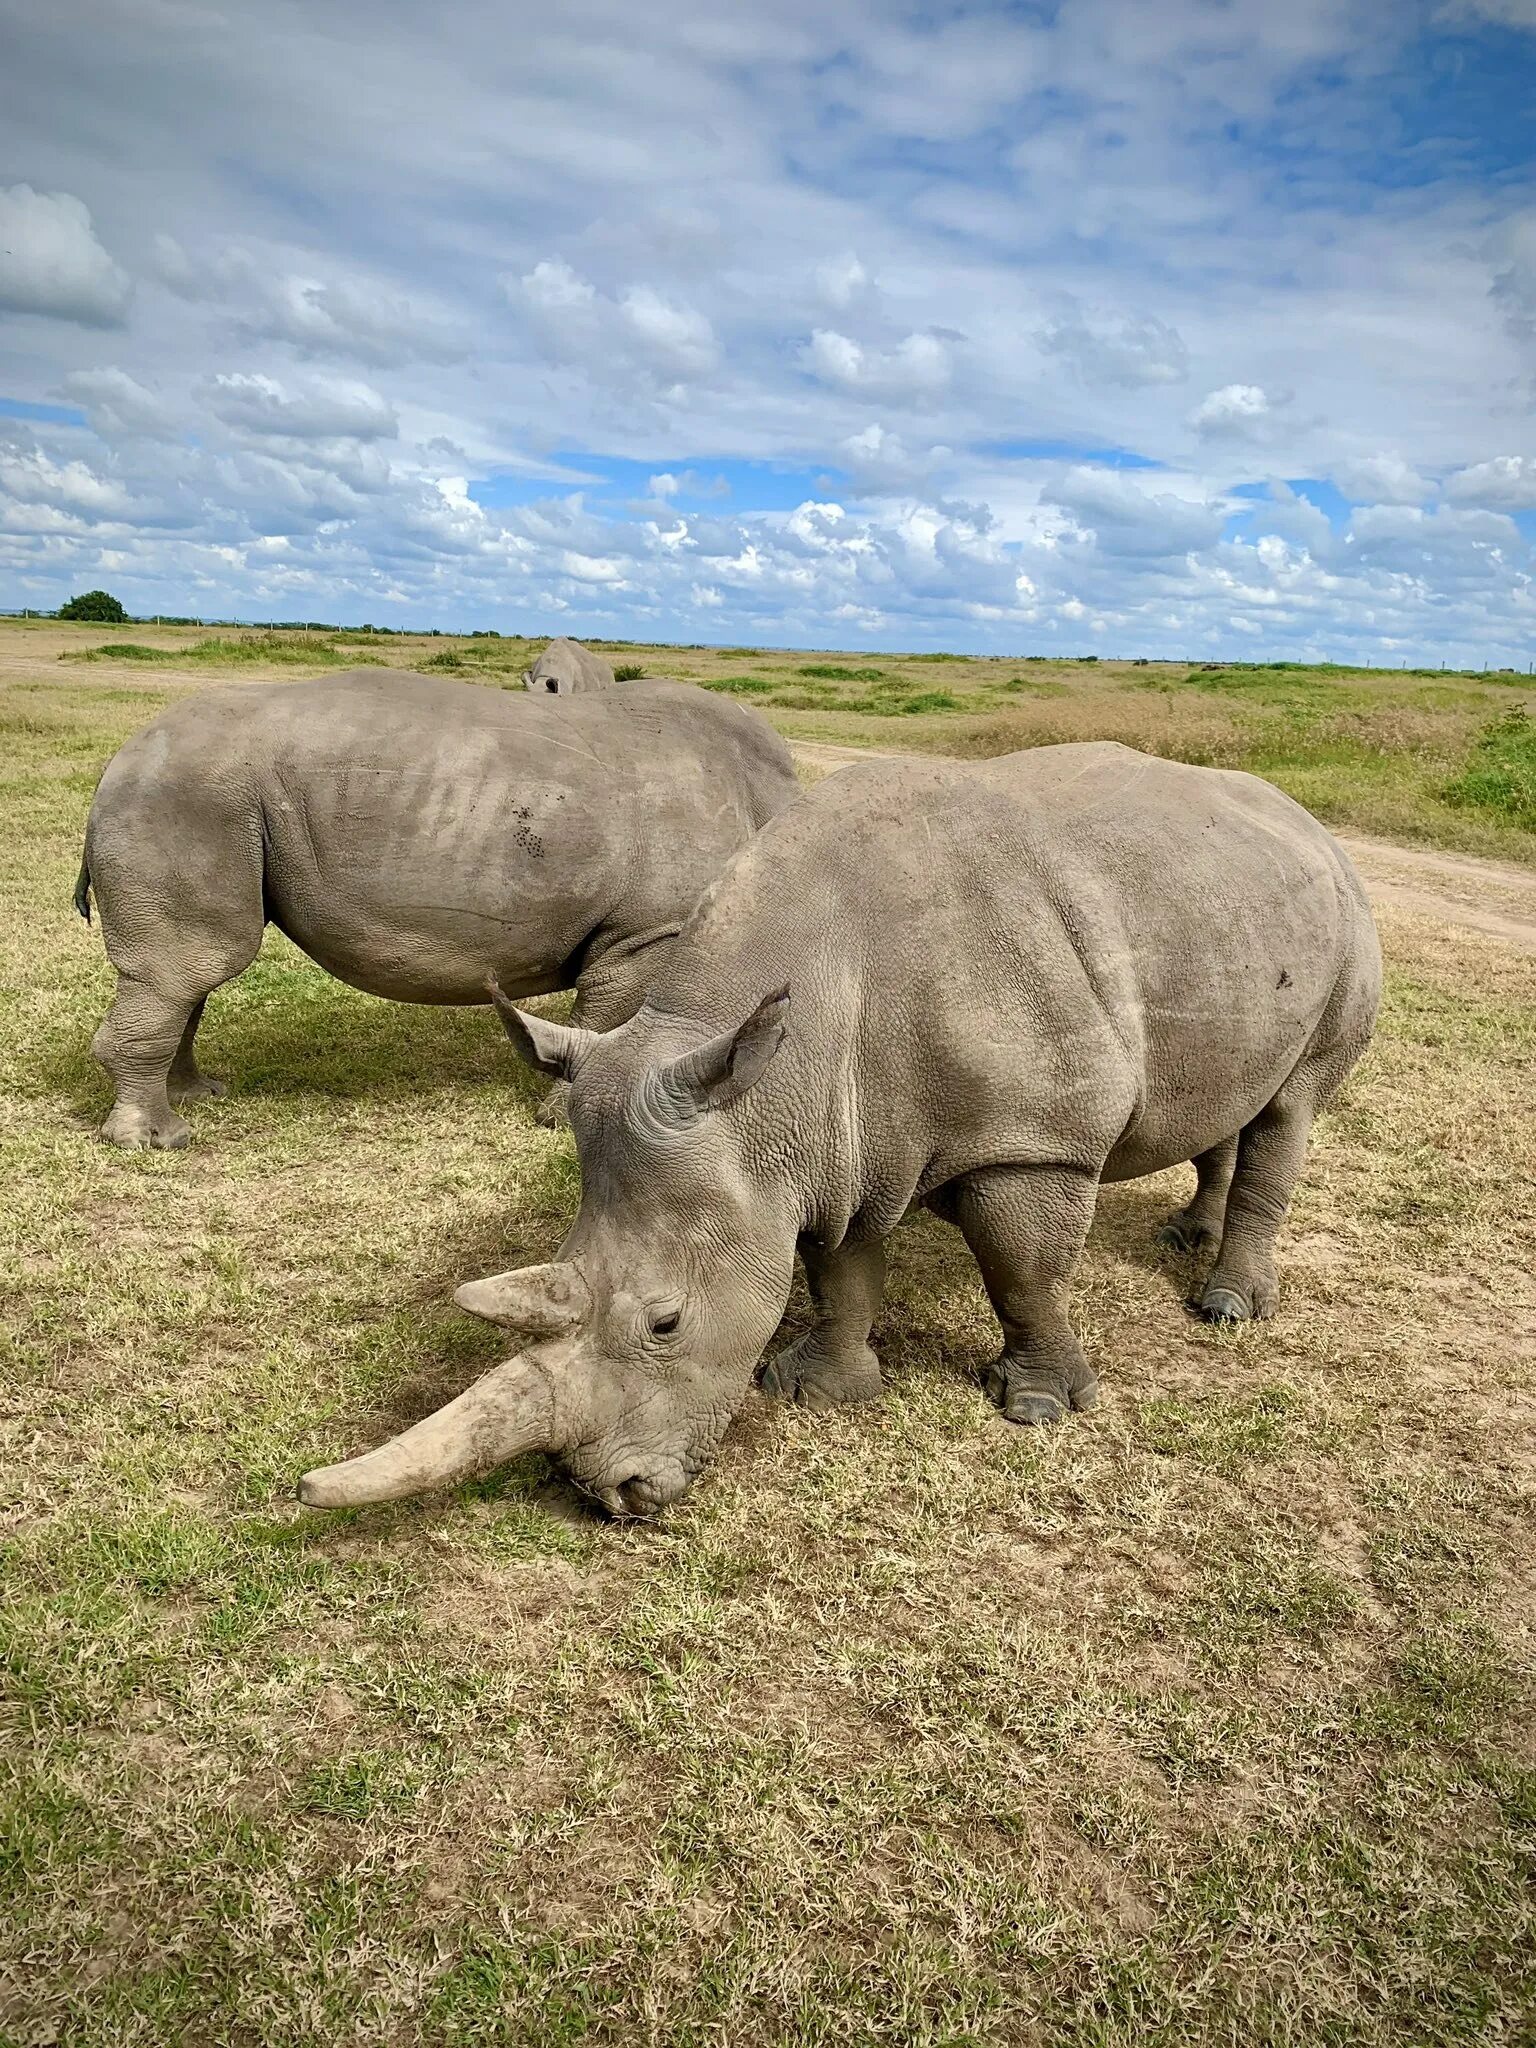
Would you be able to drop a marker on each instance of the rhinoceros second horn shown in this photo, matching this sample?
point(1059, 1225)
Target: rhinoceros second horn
point(536, 1301)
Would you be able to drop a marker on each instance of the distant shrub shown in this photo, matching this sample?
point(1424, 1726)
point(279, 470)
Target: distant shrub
point(828, 673)
point(799, 700)
point(96, 607)
point(629, 671)
point(1500, 775)
point(264, 649)
point(1085, 657)
point(910, 707)
point(1034, 686)
point(449, 660)
point(125, 650)
point(485, 633)
point(739, 686)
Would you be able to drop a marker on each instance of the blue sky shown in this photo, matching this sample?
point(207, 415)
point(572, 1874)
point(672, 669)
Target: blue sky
point(1201, 328)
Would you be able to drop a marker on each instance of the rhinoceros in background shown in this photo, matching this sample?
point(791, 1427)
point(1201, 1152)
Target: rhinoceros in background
point(984, 988)
point(566, 667)
point(409, 834)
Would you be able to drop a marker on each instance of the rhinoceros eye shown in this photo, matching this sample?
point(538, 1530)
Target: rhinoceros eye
point(664, 1322)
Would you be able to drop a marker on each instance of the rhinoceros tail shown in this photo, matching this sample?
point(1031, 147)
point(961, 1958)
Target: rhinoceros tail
point(83, 891)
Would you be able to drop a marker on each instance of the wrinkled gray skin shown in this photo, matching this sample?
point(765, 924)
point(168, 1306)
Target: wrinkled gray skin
point(566, 667)
point(412, 835)
point(986, 988)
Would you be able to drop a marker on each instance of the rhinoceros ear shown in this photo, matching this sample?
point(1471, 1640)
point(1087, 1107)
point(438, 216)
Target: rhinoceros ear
point(555, 1049)
point(719, 1072)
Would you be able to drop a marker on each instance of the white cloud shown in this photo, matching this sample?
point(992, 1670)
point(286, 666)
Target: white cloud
point(878, 460)
point(1242, 410)
point(1384, 478)
point(1507, 483)
point(843, 281)
point(1128, 349)
point(314, 315)
point(1509, 13)
point(1092, 234)
point(676, 336)
point(117, 406)
point(52, 263)
point(639, 335)
point(30, 478)
point(916, 367)
point(1514, 276)
point(1126, 520)
point(316, 410)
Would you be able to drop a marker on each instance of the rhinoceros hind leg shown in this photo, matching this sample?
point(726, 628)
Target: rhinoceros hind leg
point(833, 1364)
point(186, 1082)
point(139, 1038)
point(1242, 1285)
point(1197, 1227)
point(1026, 1227)
point(145, 1044)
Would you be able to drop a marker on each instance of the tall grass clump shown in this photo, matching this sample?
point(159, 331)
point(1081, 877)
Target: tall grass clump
point(255, 650)
point(1500, 775)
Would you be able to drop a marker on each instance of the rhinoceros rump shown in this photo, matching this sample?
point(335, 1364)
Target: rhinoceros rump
point(566, 667)
point(409, 834)
point(984, 988)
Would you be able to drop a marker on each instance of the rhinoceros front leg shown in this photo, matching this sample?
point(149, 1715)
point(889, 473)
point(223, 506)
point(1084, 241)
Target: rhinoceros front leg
point(833, 1363)
point(1026, 1227)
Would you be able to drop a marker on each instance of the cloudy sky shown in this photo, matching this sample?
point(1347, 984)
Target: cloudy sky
point(1086, 325)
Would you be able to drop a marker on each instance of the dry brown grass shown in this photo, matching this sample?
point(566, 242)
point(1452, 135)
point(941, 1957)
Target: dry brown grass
point(1204, 1719)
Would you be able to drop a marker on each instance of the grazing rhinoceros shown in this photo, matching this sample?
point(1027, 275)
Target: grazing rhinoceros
point(984, 988)
point(407, 833)
point(566, 667)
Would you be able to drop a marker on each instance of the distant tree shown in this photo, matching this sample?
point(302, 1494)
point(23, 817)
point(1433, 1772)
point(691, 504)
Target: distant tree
point(98, 606)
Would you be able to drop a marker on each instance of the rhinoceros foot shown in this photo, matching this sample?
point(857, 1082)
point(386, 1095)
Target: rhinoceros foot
point(136, 1131)
point(1186, 1233)
point(1227, 1301)
point(1030, 1390)
point(195, 1088)
point(820, 1374)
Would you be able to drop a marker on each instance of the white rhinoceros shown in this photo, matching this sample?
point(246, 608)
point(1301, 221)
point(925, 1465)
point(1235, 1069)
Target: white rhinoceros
point(984, 987)
point(566, 667)
point(412, 835)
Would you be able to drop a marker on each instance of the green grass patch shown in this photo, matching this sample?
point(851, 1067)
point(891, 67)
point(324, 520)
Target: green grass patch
point(1500, 775)
point(1202, 1719)
point(221, 651)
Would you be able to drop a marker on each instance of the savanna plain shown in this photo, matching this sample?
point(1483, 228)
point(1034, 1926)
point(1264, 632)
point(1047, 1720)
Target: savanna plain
point(1206, 1718)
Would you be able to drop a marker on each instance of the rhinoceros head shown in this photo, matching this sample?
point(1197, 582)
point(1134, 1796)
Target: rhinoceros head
point(640, 1341)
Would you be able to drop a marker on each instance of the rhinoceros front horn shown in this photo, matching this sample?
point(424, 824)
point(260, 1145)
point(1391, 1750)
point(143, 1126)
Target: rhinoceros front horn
point(511, 1409)
point(536, 1301)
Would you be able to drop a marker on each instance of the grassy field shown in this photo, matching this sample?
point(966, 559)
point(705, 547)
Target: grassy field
point(1204, 1719)
point(1448, 759)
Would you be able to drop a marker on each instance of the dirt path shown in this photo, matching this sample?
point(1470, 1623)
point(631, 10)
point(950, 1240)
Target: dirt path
point(1478, 895)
